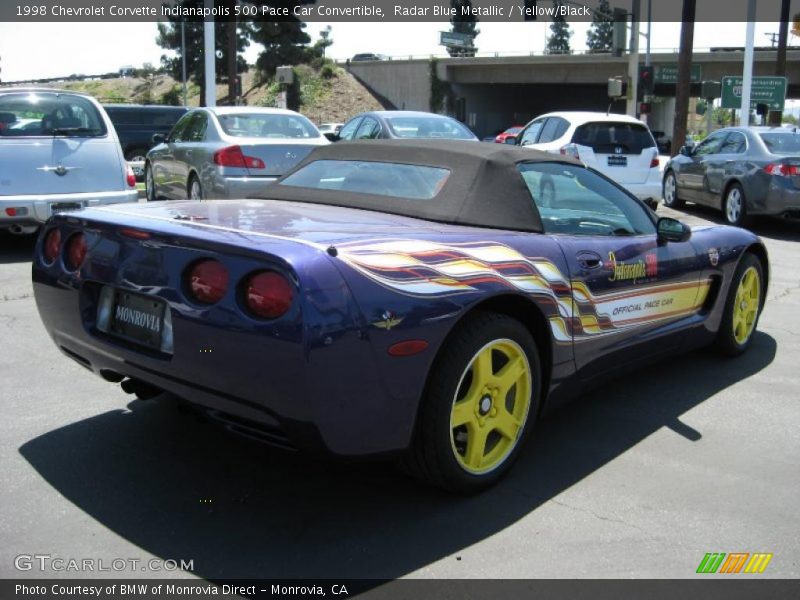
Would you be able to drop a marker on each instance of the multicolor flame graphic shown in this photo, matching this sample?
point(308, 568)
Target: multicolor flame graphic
point(431, 269)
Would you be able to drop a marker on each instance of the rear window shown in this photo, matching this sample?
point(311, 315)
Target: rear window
point(782, 143)
point(428, 127)
point(49, 114)
point(606, 137)
point(414, 182)
point(267, 125)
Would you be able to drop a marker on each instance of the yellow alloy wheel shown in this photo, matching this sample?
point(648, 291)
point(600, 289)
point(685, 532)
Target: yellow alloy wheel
point(491, 406)
point(746, 305)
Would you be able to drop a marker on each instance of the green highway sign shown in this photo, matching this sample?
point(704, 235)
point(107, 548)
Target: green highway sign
point(669, 74)
point(454, 38)
point(765, 90)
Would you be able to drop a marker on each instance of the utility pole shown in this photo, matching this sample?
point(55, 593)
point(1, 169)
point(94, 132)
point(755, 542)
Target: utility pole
point(747, 75)
point(684, 74)
point(210, 56)
point(633, 61)
point(232, 56)
point(183, 62)
point(776, 116)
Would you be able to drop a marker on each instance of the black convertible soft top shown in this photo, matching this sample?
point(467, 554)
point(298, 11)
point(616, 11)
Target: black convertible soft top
point(485, 188)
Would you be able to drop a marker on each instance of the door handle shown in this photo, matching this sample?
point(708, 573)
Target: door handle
point(589, 260)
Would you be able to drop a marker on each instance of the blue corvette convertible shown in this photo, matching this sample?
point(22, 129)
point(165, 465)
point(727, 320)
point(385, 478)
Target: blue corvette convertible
point(416, 299)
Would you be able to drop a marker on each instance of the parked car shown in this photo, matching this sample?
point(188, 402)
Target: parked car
point(390, 298)
point(136, 124)
point(58, 152)
point(404, 124)
point(618, 146)
point(227, 152)
point(511, 132)
point(330, 130)
point(741, 171)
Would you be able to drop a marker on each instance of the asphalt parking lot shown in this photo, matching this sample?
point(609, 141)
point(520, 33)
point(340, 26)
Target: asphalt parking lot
point(640, 478)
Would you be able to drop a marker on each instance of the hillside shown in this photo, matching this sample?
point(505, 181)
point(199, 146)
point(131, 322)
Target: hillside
point(323, 99)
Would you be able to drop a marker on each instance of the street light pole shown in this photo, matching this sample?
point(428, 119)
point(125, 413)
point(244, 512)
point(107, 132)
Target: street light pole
point(210, 56)
point(633, 60)
point(183, 61)
point(747, 76)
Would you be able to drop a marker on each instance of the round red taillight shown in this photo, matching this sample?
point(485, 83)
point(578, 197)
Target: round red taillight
point(268, 294)
point(52, 245)
point(76, 252)
point(207, 281)
point(130, 177)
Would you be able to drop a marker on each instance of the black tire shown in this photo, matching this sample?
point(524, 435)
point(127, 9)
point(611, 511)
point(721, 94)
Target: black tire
point(136, 153)
point(669, 187)
point(730, 339)
point(193, 180)
point(734, 206)
point(434, 455)
point(149, 184)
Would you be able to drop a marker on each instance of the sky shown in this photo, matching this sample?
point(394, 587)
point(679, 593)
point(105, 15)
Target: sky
point(92, 48)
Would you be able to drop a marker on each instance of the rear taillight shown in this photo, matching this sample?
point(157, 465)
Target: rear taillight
point(232, 156)
point(52, 245)
point(782, 170)
point(207, 281)
point(131, 178)
point(570, 150)
point(76, 252)
point(268, 294)
point(655, 162)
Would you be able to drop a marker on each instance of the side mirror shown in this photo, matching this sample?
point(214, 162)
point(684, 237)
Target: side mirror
point(332, 137)
point(158, 138)
point(672, 230)
point(652, 204)
point(511, 139)
point(686, 150)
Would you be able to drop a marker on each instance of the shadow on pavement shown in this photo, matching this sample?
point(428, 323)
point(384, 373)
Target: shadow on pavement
point(769, 227)
point(179, 489)
point(16, 248)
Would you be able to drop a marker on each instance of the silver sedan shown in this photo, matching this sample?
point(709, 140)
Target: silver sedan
point(742, 171)
point(227, 152)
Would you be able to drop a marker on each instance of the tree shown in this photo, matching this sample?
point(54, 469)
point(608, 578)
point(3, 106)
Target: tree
point(463, 22)
point(169, 38)
point(684, 73)
point(600, 35)
point(558, 43)
point(324, 42)
point(285, 41)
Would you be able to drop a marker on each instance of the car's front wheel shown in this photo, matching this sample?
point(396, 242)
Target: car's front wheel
point(195, 189)
point(670, 191)
point(734, 206)
point(742, 307)
point(482, 397)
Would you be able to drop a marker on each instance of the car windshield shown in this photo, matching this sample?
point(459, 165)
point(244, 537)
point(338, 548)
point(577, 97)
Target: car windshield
point(267, 125)
point(31, 114)
point(415, 182)
point(782, 143)
point(428, 127)
point(605, 137)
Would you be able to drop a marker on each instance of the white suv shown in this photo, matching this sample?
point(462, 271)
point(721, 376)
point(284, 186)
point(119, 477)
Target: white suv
point(619, 146)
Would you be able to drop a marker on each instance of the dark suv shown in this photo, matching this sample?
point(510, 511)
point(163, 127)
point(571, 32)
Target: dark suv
point(136, 124)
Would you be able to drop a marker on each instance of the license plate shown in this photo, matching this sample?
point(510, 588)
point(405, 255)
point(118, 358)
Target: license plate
point(60, 207)
point(137, 318)
point(617, 161)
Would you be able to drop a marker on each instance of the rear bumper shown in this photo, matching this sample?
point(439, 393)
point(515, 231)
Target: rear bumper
point(232, 188)
point(782, 200)
point(643, 191)
point(36, 209)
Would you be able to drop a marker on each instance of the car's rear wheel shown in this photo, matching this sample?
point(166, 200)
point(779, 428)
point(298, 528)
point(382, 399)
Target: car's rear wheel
point(670, 191)
point(195, 189)
point(149, 183)
point(742, 307)
point(734, 206)
point(482, 397)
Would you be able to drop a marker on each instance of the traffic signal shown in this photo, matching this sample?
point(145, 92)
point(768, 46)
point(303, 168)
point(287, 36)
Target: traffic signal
point(645, 108)
point(647, 82)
